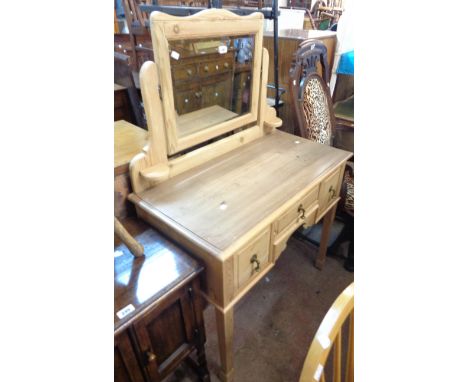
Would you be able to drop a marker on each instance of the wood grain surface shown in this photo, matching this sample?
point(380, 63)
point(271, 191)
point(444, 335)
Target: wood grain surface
point(223, 199)
point(128, 141)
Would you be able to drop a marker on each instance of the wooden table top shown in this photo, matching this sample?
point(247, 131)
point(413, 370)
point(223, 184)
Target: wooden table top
point(128, 141)
point(142, 281)
point(301, 34)
point(223, 199)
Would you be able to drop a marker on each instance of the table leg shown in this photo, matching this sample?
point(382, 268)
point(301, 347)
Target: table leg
point(225, 326)
point(326, 228)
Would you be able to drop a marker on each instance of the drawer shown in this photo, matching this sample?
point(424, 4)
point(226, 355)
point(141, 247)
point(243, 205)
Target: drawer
point(295, 214)
point(185, 72)
point(210, 68)
point(329, 190)
point(187, 101)
point(253, 259)
point(280, 241)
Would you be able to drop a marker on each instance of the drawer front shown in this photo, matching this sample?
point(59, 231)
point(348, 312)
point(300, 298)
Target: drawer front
point(329, 190)
point(296, 213)
point(187, 101)
point(210, 68)
point(280, 241)
point(184, 73)
point(253, 259)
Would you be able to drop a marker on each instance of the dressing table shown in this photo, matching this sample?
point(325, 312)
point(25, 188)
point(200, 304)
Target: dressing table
point(221, 180)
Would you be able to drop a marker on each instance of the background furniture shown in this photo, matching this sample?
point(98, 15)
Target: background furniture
point(128, 141)
point(158, 320)
point(289, 41)
point(269, 9)
point(313, 109)
point(124, 77)
point(329, 335)
point(122, 108)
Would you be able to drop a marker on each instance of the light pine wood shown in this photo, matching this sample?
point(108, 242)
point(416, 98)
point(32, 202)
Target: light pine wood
point(328, 333)
point(337, 358)
point(200, 120)
point(326, 228)
point(350, 357)
point(233, 202)
point(225, 327)
point(129, 140)
point(254, 182)
point(134, 246)
point(207, 23)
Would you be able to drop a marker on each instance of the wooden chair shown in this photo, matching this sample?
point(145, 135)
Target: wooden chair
point(329, 335)
point(138, 29)
point(315, 118)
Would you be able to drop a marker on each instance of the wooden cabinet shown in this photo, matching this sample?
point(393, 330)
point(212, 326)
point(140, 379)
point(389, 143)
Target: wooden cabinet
point(158, 310)
point(126, 367)
point(202, 80)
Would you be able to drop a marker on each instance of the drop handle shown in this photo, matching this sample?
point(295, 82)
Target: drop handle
point(150, 357)
point(189, 72)
point(254, 260)
point(301, 210)
point(198, 94)
point(333, 192)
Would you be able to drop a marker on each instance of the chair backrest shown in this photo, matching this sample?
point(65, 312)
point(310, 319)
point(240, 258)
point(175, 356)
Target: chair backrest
point(312, 104)
point(328, 336)
point(133, 14)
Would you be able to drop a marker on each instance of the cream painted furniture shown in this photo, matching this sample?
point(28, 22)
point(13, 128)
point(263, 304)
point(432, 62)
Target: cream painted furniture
point(234, 191)
point(329, 336)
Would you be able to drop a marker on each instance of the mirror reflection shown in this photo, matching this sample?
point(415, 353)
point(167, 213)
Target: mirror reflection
point(211, 80)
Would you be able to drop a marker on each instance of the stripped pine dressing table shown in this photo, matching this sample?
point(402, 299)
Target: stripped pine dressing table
point(230, 187)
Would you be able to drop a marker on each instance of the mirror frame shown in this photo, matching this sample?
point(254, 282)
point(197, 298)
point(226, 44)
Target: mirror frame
point(204, 24)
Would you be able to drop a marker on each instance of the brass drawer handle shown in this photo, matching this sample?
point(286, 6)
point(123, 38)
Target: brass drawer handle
point(301, 210)
point(151, 357)
point(332, 191)
point(189, 72)
point(254, 260)
point(206, 68)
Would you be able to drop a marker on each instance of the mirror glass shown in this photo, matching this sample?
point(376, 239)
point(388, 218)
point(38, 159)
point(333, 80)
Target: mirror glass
point(211, 80)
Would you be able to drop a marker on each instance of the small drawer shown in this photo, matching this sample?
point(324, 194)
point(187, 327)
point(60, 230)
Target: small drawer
point(183, 73)
point(329, 191)
point(253, 259)
point(214, 67)
point(296, 213)
point(279, 241)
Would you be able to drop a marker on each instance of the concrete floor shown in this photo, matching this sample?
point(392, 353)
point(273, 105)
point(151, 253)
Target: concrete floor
point(276, 321)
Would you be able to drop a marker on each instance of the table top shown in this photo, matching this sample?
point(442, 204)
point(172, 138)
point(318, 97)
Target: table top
point(128, 141)
point(301, 34)
point(141, 282)
point(223, 199)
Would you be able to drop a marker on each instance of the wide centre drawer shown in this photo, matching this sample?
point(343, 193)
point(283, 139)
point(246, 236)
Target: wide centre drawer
point(296, 213)
point(253, 259)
